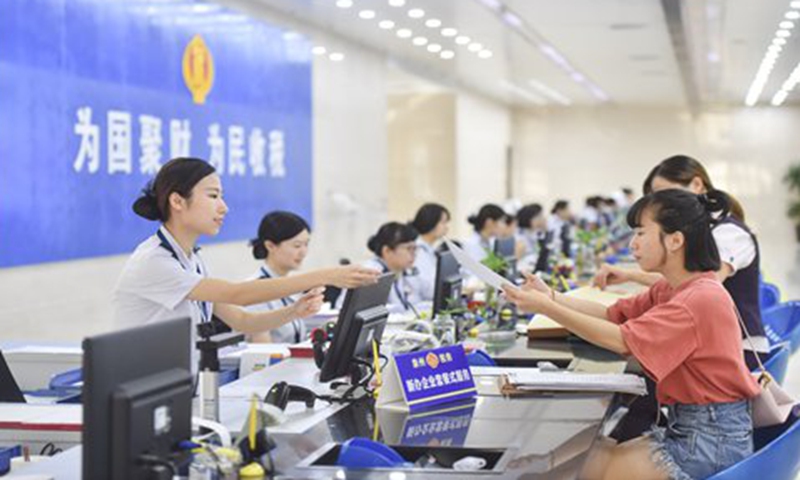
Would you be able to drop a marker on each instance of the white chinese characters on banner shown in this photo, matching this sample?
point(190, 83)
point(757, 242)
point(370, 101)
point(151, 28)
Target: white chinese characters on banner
point(243, 150)
point(120, 157)
point(89, 150)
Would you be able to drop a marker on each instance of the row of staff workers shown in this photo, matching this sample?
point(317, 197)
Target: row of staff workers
point(690, 240)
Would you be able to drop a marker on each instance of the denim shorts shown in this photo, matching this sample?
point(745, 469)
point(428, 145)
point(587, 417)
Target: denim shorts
point(700, 440)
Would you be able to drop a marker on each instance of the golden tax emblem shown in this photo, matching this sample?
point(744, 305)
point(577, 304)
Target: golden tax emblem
point(198, 69)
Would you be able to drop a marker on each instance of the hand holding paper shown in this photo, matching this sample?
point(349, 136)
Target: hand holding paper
point(477, 268)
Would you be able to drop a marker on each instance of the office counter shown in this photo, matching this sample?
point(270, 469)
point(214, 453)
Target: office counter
point(546, 436)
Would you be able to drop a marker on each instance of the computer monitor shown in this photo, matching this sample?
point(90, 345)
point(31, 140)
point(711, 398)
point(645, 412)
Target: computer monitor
point(9, 389)
point(137, 398)
point(506, 248)
point(361, 319)
point(447, 287)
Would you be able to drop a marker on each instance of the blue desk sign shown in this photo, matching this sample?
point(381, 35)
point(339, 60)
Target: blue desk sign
point(419, 380)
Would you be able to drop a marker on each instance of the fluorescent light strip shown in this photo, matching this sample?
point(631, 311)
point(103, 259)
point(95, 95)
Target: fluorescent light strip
point(517, 24)
point(550, 93)
point(771, 56)
point(526, 94)
point(787, 87)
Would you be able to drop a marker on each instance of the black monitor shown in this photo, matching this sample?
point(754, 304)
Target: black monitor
point(137, 398)
point(361, 319)
point(447, 288)
point(506, 248)
point(9, 389)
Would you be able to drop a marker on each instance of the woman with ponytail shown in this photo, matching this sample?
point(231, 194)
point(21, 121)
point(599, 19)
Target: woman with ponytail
point(282, 244)
point(737, 245)
point(394, 247)
point(682, 330)
point(487, 225)
point(166, 278)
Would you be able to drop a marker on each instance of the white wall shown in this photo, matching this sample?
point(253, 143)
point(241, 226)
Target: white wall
point(69, 300)
point(483, 135)
point(572, 153)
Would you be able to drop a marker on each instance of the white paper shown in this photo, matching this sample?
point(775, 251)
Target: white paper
point(571, 381)
point(478, 269)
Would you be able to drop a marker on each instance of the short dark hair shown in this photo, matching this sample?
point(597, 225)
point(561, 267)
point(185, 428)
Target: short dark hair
point(677, 210)
point(428, 216)
point(559, 205)
point(391, 235)
point(179, 175)
point(681, 169)
point(490, 211)
point(277, 227)
point(526, 214)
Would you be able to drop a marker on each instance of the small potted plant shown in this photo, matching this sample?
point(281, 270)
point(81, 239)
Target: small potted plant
point(792, 180)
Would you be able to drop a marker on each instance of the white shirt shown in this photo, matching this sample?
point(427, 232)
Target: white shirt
point(154, 285)
point(425, 264)
point(403, 295)
point(735, 245)
point(291, 332)
point(476, 247)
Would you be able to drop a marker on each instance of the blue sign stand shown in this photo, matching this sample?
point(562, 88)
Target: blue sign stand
point(420, 380)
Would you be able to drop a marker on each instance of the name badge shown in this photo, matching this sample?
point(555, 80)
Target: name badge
point(420, 380)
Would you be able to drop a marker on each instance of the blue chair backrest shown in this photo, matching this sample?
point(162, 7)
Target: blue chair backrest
point(480, 358)
point(776, 457)
point(769, 295)
point(778, 362)
point(782, 322)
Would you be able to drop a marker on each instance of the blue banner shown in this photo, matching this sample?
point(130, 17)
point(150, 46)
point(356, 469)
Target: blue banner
point(433, 377)
point(96, 95)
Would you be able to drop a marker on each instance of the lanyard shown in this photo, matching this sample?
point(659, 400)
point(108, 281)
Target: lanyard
point(204, 307)
point(286, 302)
point(396, 284)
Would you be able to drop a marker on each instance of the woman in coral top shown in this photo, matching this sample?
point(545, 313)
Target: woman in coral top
point(683, 331)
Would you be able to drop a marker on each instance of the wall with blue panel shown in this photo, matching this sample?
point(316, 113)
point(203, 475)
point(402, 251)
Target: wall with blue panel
point(95, 95)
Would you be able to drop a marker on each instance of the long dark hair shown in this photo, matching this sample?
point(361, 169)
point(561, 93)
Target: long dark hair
point(693, 215)
point(428, 216)
point(682, 169)
point(179, 175)
point(276, 227)
point(526, 214)
point(490, 211)
point(391, 235)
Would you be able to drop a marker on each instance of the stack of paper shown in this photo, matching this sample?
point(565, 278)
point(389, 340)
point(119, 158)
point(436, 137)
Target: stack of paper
point(523, 381)
point(543, 327)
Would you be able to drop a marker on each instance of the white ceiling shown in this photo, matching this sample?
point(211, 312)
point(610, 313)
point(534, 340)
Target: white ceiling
point(619, 50)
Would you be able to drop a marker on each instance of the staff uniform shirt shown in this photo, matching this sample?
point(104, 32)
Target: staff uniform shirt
point(155, 283)
point(291, 332)
point(425, 265)
point(477, 247)
point(687, 339)
point(403, 294)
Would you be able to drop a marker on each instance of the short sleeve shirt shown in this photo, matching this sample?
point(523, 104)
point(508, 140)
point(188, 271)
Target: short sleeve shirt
point(735, 245)
point(687, 339)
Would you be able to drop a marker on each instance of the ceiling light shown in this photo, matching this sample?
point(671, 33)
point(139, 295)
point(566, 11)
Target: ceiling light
point(420, 41)
point(795, 4)
point(779, 97)
point(779, 41)
point(397, 3)
point(434, 48)
point(433, 23)
point(336, 56)
point(416, 13)
point(344, 3)
point(447, 54)
point(788, 25)
point(367, 14)
point(449, 32)
point(485, 53)
point(549, 92)
point(404, 33)
point(319, 50)
point(462, 40)
point(386, 24)
point(475, 47)
point(783, 33)
point(792, 15)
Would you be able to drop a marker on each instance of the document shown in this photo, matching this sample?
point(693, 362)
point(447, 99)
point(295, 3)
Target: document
point(478, 269)
point(521, 381)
